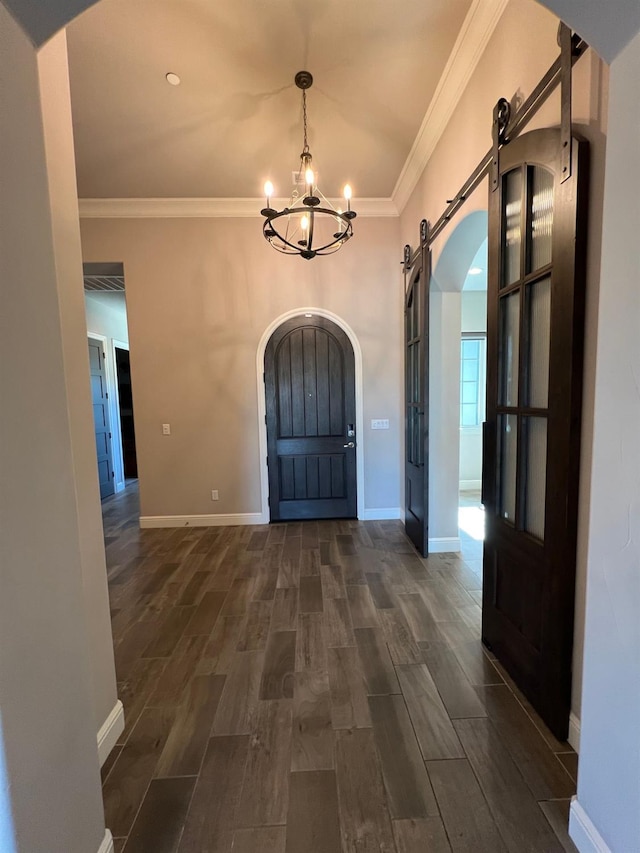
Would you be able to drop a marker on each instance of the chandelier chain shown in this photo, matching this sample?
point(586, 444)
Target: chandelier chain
point(305, 149)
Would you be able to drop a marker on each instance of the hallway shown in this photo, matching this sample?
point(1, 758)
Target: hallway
point(315, 687)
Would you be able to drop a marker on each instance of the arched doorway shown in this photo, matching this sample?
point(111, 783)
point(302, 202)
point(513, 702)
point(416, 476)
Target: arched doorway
point(455, 309)
point(310, 394)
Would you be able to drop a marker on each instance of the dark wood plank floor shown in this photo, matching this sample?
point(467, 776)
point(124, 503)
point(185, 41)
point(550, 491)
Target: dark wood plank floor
point(316, 687)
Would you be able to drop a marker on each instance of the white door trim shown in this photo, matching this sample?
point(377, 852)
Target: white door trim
point(262, 426)
point(114, 411)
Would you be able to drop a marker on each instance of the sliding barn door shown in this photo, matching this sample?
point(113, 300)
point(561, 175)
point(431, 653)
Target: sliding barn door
point(416, 371)
point(537, 227)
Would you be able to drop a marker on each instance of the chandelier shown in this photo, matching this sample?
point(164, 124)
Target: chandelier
point(310, 225)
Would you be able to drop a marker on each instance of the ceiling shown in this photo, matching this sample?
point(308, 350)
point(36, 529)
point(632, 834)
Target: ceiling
point(235, 119)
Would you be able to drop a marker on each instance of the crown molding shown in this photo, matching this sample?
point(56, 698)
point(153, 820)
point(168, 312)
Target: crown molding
point(477, 29)
point(208, 208)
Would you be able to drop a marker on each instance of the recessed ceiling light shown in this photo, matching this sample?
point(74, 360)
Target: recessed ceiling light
point(475, 270)
point(172, 79)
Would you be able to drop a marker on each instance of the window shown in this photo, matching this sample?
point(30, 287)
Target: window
point(472, 380)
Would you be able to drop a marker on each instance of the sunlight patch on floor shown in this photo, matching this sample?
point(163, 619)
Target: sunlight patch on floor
point(471, 520)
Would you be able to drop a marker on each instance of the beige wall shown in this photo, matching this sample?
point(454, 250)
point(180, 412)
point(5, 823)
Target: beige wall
point(200, 294)
point(521, 49)
point(48, 701)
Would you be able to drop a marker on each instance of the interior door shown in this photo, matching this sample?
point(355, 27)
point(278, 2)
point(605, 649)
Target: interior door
point(311, 417)
point(537, 227)
point(100, 399)
point(127, 430)
point(416, 371)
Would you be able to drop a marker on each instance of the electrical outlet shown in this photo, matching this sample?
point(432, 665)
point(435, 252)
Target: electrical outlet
point(380, 423)
point(214, 495)
point(166, 429)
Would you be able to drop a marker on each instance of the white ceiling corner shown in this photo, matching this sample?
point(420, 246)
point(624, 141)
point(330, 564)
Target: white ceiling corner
point(479, 24)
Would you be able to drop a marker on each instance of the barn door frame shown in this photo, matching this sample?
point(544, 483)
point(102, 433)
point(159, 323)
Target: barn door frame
point(262, 425)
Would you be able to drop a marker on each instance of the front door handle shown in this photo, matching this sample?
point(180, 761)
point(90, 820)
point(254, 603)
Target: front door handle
point(350, 444)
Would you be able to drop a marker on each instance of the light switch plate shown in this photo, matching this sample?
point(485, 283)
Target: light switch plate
point(166, 429)
point(380, 423)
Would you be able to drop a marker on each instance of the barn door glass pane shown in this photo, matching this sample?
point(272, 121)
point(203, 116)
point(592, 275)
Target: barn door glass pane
point(536, 483)
point(507, 461)
point(540, 217)
point(509, 348)
point(511, 227)
point(539, 326)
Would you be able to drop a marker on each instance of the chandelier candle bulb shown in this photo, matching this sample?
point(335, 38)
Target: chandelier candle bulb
point(268, 191)
point(347, 195)
point(309, 178)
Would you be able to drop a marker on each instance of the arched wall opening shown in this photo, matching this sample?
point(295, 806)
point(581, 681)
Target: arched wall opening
point(451, 272)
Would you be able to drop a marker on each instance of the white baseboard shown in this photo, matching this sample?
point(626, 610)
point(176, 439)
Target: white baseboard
point(107, 843)
point(470, 485)
point(574, 732)
point(444, 544)
point(110, 731)
point(381, 513)
point(582, 831)
point(232, 520)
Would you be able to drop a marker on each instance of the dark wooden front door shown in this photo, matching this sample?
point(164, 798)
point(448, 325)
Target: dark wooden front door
point(311, 416)
point(100, 400)
point(416, 372)
point(532, 437)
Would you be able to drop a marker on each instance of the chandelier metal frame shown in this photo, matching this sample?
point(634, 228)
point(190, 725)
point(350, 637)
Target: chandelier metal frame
point(292, 229)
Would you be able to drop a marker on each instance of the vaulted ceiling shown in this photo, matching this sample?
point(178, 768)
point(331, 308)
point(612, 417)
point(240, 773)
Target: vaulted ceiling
point(235, 119)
